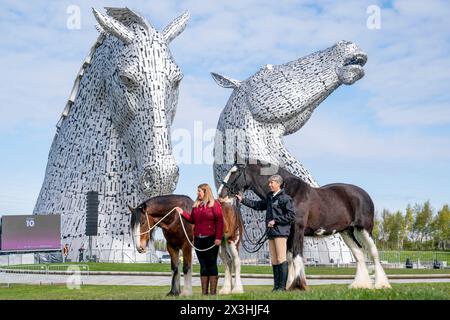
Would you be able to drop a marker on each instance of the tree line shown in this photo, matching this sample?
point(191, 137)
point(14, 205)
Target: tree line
point(419, 227)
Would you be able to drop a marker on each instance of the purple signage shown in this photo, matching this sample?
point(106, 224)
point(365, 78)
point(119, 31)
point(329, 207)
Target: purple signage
point(30, 232)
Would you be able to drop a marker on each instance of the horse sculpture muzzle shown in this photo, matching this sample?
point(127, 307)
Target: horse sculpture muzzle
point(155, 176)
point(354, 60)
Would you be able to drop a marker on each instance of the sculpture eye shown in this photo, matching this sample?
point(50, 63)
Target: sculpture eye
point(128, 80)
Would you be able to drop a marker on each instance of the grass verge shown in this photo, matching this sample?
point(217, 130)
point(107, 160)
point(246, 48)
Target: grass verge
point(414, 291)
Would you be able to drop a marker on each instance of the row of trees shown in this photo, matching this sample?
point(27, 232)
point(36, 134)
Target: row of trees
point(418, 228)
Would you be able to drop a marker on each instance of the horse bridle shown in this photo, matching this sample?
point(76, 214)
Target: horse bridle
point(148, 220)
point(232, 190)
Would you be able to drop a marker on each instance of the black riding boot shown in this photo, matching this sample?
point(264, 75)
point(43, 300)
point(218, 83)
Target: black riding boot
point(283, 275)
point(276, 276)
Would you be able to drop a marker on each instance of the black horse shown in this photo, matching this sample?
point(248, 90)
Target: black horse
point(338, 207)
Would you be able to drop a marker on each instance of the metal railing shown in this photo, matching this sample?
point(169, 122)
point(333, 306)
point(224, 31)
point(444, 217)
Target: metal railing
point(71, 275)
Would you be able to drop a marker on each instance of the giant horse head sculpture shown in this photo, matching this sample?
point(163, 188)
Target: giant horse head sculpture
point(141, 82)
point(277, 101)
point(113, 136)
point(274, 102)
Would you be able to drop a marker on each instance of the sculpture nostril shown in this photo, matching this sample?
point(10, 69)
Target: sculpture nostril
point(155, 174)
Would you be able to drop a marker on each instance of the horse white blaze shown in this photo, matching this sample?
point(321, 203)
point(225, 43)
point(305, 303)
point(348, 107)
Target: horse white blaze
point(136, 236)
point(362, 278)
point(227, 177)
point(381, 280)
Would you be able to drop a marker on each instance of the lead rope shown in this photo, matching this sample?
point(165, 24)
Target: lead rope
point(182, 224)
point(246, 238)
point(185, 233)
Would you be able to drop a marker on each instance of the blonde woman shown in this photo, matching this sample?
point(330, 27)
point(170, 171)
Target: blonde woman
point(207, 217)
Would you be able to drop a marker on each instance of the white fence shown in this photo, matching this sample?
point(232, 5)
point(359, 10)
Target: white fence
point(70, 275)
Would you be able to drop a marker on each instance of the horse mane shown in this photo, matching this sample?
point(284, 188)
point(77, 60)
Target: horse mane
point(73, 93)
point(123, 15)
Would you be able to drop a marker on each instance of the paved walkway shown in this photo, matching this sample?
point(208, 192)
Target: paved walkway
point(166, 280)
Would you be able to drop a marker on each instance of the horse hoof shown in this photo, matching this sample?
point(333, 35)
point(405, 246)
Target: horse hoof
point(299, 288)
point(237, 290)
point(382, 286)
point(173, 294)
point(360, 286)
point(186, 293)
point(224, 291)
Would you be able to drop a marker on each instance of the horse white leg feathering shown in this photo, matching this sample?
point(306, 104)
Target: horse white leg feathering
point(237, 286)
point(362, 278)
point(299, 271)
point(226, 289)
point(187, 288)
point(291, 270)
point(381, 280)
point(178, 280)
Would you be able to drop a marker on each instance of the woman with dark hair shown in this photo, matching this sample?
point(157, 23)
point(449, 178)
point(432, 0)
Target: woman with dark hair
point(206, 215)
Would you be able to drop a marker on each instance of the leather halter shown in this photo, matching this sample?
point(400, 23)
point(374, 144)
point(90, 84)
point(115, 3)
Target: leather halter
point(232, 189)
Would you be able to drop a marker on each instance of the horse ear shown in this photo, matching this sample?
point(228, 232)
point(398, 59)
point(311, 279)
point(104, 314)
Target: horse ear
point(225, 82)
point(176, 27)
point(114, 27)
point(131, 209)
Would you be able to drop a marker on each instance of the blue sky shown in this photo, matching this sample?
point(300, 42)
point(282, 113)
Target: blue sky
point(388, 133)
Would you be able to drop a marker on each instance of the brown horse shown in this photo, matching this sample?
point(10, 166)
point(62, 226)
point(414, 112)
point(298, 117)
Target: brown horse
point(156, 211)
point(332, 208)
point(146, 215)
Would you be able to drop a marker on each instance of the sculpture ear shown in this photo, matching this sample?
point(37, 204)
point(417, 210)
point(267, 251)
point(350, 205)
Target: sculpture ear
point(176, 27)
point(225, 82)
point(113, 27)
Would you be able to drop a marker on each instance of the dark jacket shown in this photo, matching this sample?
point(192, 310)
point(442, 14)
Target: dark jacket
point(208, 220)
point(279, 208)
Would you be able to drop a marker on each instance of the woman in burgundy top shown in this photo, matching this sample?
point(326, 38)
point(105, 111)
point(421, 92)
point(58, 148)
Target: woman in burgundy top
point(207, 218)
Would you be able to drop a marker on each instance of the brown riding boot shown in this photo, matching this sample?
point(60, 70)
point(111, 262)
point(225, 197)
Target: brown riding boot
point(204, 280)
point(213, 281)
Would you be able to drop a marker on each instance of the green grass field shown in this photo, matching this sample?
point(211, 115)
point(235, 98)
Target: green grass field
point(253, 269)
point(429, 291)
